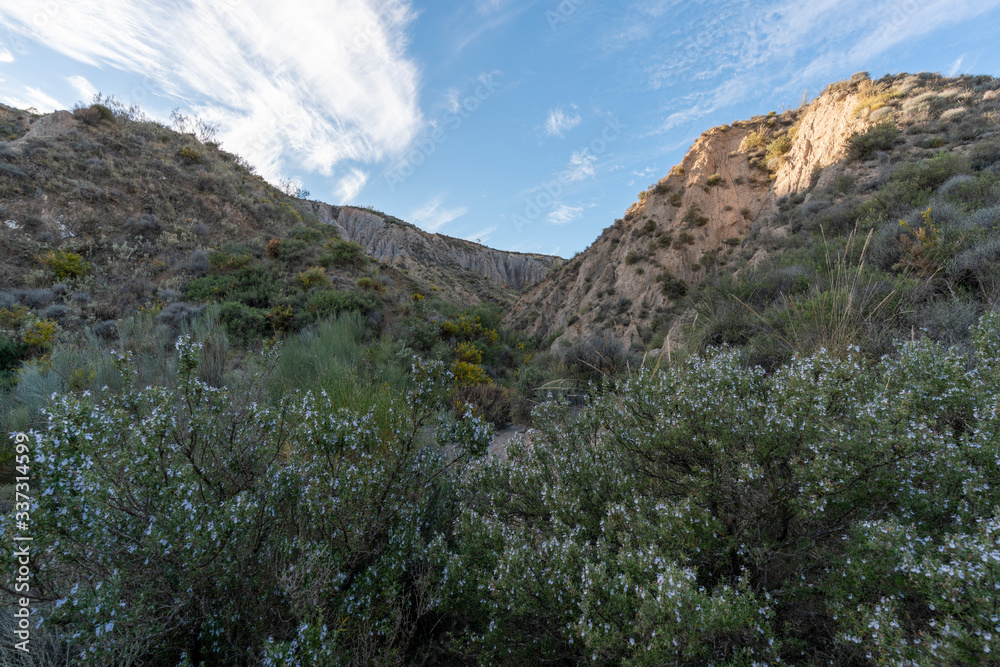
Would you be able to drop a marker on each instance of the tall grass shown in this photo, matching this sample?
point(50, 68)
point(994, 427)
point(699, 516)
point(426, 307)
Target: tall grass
point(88, 364)
point(335, 356)
point(851, 308)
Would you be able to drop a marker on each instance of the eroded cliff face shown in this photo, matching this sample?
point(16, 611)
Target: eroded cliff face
point(820, 140)
point(433, 255)
point(627, 284)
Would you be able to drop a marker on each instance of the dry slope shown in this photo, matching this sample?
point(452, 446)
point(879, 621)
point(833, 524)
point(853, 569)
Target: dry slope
point(628, 282)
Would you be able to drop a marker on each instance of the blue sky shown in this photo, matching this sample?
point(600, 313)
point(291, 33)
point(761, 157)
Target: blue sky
point(526, 124)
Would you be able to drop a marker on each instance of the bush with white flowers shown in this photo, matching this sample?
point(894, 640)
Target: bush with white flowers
point(830, 512)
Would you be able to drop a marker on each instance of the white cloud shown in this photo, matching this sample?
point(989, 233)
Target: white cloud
point(6, 56)
point(34, 99)
point(482, 235)
point(742, 51)
point(956, 66)
point(487, 7)
point(565, 214)
point(85, 89)
point(581, 166)
point(295, 85)
point(432, 216)
point(559, 122)
point(351, 185)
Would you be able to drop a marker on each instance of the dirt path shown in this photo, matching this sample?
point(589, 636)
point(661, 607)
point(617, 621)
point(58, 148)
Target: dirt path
point(502, 437)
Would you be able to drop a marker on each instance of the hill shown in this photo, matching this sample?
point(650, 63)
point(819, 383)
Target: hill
point(105, 213)
point(745, 239)
point(290, 460)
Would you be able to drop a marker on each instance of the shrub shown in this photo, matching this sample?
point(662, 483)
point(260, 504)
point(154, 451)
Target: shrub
point(489, 402)
point(39, 335)
point(82, 298)
point(229, 258)
point(338, 252)
point(245, 324)
point(672, 288)
point(273, 248)
point(755, 140)
point(280, 317)
point(144, 225)
point(198, 262)
point(314, 276)
point(94, 115)
point(295, 251)
point(36, 298)
point(189, 156)
point(370, 284)
point(714, 179)
point(468, 352)
point(57, 312)
point(985, 154)
point(469, 374)
point(178, 315)
point(598, 356)
point(12, 353)
point(329, 303)
point(109, 539)
point(776, 151)
point(65, 264)
point(879, 137)
point(686, 528)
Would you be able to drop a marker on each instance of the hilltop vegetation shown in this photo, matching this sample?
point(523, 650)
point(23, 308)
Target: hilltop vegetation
point(291, 461)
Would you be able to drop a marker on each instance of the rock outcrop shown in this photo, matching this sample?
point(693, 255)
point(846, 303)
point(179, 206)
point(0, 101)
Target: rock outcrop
point(628, 282)
point(399, 243)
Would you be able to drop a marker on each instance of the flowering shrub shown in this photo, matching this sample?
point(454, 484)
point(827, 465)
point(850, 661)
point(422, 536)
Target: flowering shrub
point(65, 264)
point(191, 524)
point(314, 276)
point(831, 512)
point(468, 375)
point(39, 334)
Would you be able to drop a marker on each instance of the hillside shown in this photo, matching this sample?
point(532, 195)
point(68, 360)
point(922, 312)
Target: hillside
point(262, 430)
point(105, 213)
point(437, 258)
point(749, 196)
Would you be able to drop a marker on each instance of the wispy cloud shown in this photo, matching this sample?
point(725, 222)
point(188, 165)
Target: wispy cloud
point(6, 56)
point(956, 66)
point(582, 165)
point(482, 235)
point(490, 15)
point(564, 214)
point(33, 98)
point(433, 215)
point(734, 52)
point(295, 85)
point(559, 121)
point(85, 89)
point(351, 185)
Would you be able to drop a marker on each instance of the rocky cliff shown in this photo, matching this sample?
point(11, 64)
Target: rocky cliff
point(393, 241)
point(632, 280)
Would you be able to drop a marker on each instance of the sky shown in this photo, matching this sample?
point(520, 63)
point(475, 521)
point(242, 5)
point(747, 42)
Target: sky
point(527, 125)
